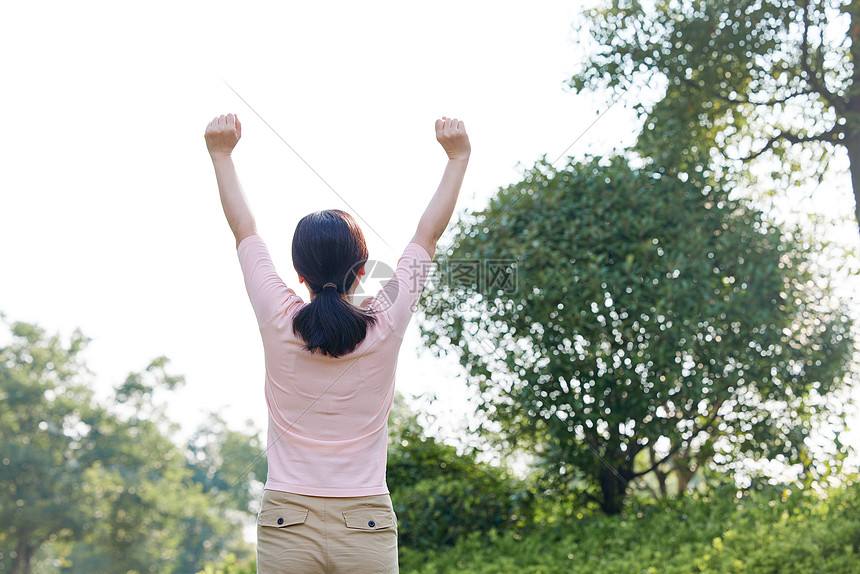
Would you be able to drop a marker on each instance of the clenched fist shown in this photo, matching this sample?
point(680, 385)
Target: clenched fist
point(451, 133)
point(222, 135)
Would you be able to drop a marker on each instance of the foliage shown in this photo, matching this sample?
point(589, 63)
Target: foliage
point(769, 79)
point(770, 531)
point(441, 496)
point(228, 463)
point(651, 314)
point(91, 487)
point(45, 414)
point(231, 566)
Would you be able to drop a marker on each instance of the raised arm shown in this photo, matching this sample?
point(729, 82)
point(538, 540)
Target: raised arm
point(451, 133)
point(222, 135)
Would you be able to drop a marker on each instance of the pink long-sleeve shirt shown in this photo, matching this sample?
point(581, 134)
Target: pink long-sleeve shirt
point(328, 417)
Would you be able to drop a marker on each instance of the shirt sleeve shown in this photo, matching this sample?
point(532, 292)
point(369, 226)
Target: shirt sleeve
point(399, 297)
point(266, 290)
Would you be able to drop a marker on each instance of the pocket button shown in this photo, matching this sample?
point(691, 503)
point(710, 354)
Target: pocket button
point(372, 524)
point(280, 520)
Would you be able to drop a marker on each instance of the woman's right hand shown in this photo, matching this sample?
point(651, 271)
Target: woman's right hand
point(451, 133)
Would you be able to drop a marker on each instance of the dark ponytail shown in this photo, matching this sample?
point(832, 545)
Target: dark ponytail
point(328, 252)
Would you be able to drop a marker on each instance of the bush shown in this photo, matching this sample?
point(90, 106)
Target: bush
point(441, 496)
point(231, 566)
point(766, 532)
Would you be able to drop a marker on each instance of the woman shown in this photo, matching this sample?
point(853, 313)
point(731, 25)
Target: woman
point(330, 371)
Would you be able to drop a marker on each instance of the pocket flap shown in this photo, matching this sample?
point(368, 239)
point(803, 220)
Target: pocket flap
point(369, 518)
point(282, 517)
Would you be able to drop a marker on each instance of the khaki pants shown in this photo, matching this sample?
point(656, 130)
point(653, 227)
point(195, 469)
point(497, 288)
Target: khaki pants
point(307, 534)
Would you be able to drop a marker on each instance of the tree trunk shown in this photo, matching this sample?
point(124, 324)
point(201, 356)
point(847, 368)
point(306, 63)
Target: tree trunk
point(661, 482)
point(23, 562)
point(852, 107)
point(613, 486)
point(684, 474)
point(661, 476)
point(852, 145)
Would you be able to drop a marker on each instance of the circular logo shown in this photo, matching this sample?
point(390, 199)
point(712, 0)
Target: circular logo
point(376, 276)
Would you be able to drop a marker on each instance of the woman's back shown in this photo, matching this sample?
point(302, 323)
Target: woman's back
point(326, 411)
point(330, 372)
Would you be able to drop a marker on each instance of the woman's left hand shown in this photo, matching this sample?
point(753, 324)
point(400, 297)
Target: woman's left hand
point(222, 135)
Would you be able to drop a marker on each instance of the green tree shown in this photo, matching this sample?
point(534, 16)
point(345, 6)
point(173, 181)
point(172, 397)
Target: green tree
point(100, 488)
point(228, 462)
point(650, 312)
point(229, 466)
point(45, 415)
point(770, 80)
point(151, 514)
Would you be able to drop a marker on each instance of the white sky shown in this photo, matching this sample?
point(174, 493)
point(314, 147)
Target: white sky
point(109, 209)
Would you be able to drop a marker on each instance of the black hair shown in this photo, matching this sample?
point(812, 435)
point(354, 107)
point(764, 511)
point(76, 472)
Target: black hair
point(329, 248)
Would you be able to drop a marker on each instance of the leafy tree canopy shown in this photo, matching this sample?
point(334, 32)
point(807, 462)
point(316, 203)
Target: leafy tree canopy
point(647, 310)
point(769, 79)
point(93, 487)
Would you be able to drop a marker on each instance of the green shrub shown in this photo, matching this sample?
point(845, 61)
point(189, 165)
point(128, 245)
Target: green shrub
point(767, 532)
point(441, 496)
point(231, 566)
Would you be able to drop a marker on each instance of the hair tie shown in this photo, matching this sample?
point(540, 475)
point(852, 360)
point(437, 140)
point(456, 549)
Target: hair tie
point(330, 285)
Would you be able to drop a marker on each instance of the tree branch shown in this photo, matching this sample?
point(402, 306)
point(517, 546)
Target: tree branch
point(592, 498)
point(671, 452)
point(675, 448)
point(807, 70)
point(739, 100)
point(642, 484)
point(828, 136)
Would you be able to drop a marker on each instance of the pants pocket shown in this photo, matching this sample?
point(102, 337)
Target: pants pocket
point(369, 518)
point(282, 517)
point(288, 540)
point(367, 541)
